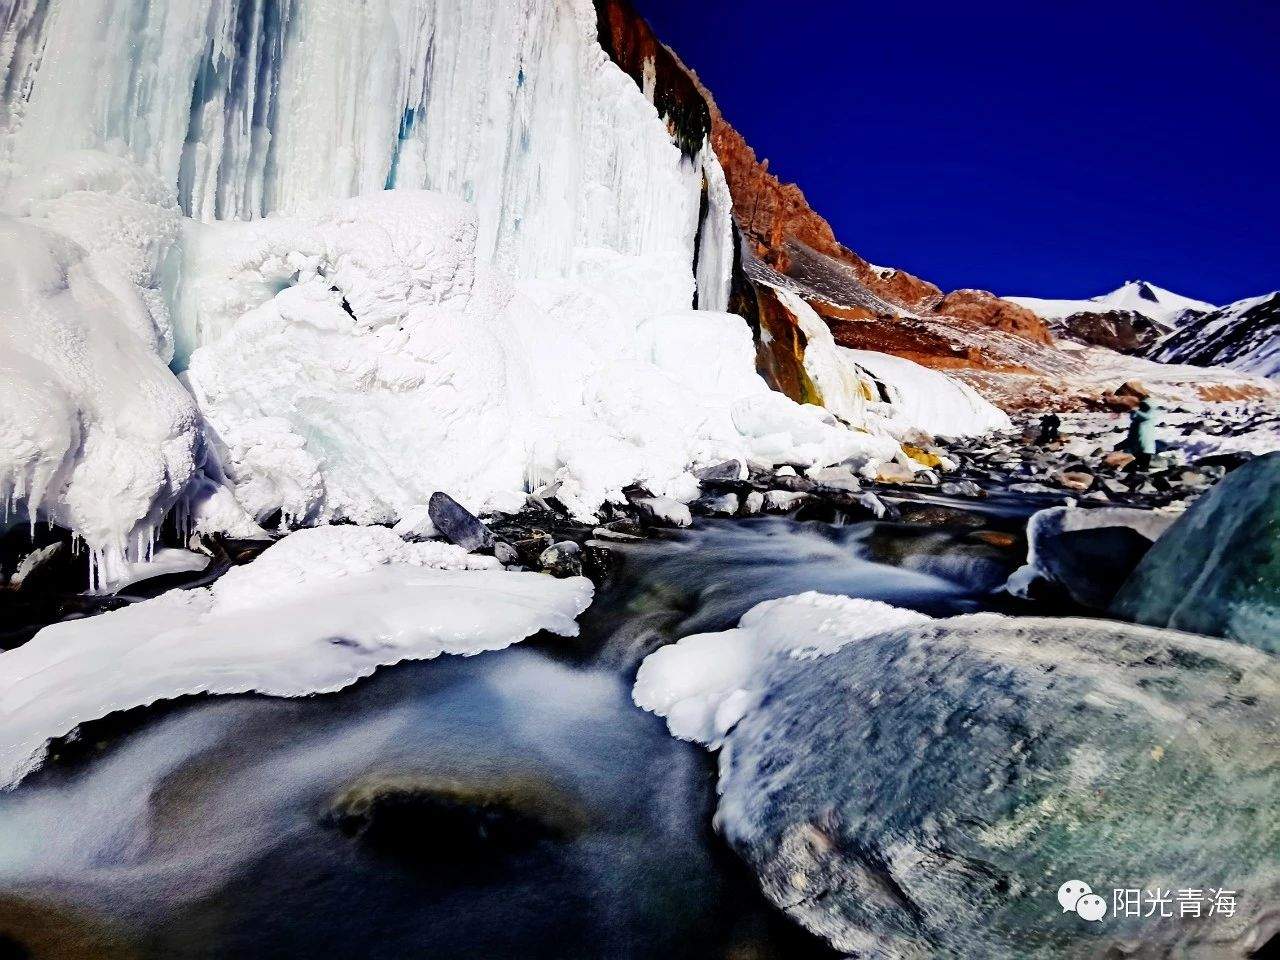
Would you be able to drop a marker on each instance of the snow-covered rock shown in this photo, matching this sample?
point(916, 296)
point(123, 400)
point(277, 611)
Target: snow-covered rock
point(706, 683)
point(1243, 336)
point(315, 612)
point(1088, 553)
point(1137, 296)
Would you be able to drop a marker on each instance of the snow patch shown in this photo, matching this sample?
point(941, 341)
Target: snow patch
point(704, 684)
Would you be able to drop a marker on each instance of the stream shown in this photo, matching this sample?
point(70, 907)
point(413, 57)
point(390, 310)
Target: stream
point(514, 804)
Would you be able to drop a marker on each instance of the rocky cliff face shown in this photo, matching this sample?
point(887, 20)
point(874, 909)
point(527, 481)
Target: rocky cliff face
point(1006, 350)
point(784, 242)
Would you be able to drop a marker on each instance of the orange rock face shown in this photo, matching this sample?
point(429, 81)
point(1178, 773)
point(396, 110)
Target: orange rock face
point(988, 310)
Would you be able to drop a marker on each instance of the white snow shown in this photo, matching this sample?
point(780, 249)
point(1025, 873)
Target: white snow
point(1244, 336)
point(1166, 308)
point(705, 683)
point(315, 612)
point(95, 433)
point(162, 562)
point(445, 375)
point(928, 399)
point(353, 342)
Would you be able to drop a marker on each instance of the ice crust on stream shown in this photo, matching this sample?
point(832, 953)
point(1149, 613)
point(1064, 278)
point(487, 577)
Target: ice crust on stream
point(314, 613)
point(327, 257)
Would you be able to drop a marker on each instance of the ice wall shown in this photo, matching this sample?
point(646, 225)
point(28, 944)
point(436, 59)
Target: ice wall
point(135, 136)
point(250, 107)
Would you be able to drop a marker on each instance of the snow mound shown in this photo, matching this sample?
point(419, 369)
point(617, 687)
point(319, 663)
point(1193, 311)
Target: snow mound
point(928, 399)
point(314, 613)
point(704, 684)
point(353, 363)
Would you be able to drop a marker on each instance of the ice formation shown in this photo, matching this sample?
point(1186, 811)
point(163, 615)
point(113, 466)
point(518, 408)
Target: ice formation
point(312, 614)
point(704, 684)
point(927, 399)
point(389, 247)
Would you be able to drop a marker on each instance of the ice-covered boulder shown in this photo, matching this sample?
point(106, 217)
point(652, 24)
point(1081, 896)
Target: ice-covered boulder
point(1217, 570)
point(926, 790)
point(1086, 553)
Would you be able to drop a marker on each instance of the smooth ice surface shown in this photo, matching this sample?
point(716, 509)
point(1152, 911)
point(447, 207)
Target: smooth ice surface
point(706, 683)
point(312, 614)
point(928, 399)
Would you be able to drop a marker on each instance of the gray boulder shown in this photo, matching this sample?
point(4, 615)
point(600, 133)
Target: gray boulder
point(925, 792)
point(1217, 571)
point(1086, 553)
point(457, 524)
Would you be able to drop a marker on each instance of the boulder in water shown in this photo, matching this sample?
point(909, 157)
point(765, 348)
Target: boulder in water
point(442, 820)
point(1085, 554)
point(1217, 570)
point(924, 792)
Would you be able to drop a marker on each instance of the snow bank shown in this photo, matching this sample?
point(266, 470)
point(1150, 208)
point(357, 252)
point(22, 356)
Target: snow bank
point(95, 432)
point(312, 614)
point(376, 362)
point(704, 684)
point(927, 399)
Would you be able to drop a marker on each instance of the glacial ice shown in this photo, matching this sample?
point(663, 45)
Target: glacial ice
point(390, 248)
point(314, 613)
point(928, 399)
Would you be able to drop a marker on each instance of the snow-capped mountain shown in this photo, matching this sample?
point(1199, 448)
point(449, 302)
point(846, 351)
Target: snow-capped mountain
point(1244, 336)
point(1137, 296)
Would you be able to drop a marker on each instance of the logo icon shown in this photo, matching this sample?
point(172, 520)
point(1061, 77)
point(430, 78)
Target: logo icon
point(1069, 894)
point(1091, 907)
point(1078, 897)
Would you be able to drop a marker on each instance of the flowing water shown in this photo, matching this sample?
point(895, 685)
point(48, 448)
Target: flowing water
point(511, 805)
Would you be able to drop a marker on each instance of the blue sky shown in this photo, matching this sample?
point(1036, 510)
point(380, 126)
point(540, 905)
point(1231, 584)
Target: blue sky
point(1039, 148)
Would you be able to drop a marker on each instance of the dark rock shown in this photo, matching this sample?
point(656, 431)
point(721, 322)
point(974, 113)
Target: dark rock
point(433, 820)
point(505, 553)
point(728, 470)
point(1228, 461)
point(1217, 570)
point(1092, 564)
point(457, 524)
point(563, 559)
